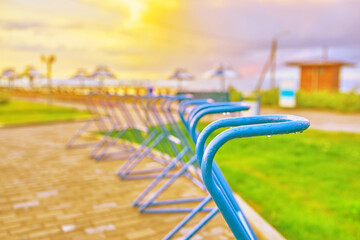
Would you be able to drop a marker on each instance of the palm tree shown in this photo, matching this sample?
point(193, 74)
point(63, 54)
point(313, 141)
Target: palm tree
point(10, 74)
point(49, 61)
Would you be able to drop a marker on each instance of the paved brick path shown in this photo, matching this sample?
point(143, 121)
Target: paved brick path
point(48, 192)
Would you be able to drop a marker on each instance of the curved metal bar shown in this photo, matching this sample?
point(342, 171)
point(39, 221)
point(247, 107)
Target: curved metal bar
point(95, 118)
point(186, 103)
point(213, 110)
point(165, 108)
point(228, 122)
point(233, 106)
point(172, 121)
point(256, 126)
point(203, 106)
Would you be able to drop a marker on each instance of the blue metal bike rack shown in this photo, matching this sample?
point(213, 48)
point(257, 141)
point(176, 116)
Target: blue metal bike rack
point(242, 127)
point(111, 113)
point(186, 148)
point(160, 136)
point(120, 126)
point(154, 138)
point(99, 120)
point(196, 114)
point(119, 107)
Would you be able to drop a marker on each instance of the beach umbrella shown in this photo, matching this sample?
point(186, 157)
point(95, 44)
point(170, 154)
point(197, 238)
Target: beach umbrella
point(31, 73)
point(222, 71)
point(101, 73)
point(81, 74)
point(180, 74)
point(10, 74)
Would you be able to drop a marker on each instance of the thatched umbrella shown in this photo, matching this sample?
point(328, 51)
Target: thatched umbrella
point(181, 74)
point(31, 73)
point(101, 73)
point(223, 71)
point(10, 75)
point(81, 74)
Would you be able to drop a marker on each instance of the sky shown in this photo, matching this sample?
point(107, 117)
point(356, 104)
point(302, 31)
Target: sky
point(145, 39)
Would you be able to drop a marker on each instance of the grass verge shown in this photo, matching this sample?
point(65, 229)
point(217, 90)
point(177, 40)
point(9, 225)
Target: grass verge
point(306, 185)
point(20, 112)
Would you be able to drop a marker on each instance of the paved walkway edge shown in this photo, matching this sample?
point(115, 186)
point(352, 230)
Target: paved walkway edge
point(261, 227)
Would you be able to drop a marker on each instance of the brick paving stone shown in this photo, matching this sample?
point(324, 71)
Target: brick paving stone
point(43, 233)
point(25, 229)
point(52, 193)
point(141, 234)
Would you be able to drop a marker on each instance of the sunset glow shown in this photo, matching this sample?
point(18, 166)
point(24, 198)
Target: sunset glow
point(147, 38)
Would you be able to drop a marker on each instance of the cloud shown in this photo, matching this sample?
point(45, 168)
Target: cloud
point(26, 47)
point(32, 25)
point(255, 23)
point(121, 51)
point(38, 48)
point(22, 25)
point(157, 35)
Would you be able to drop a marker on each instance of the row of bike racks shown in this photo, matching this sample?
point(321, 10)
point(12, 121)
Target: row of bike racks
point(164, 129)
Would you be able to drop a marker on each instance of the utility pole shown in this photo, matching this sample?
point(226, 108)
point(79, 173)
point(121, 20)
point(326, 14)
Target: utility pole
point(270, 63)
point(273, 63)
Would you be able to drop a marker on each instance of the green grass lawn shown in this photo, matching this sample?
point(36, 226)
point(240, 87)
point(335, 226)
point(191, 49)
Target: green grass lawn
point(20, 111)
point(306, 185)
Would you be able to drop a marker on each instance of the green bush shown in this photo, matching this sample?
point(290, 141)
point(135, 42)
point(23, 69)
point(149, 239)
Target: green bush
point(343, 102)
point(234, 95)
point(270, 97)
point(337, 101)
